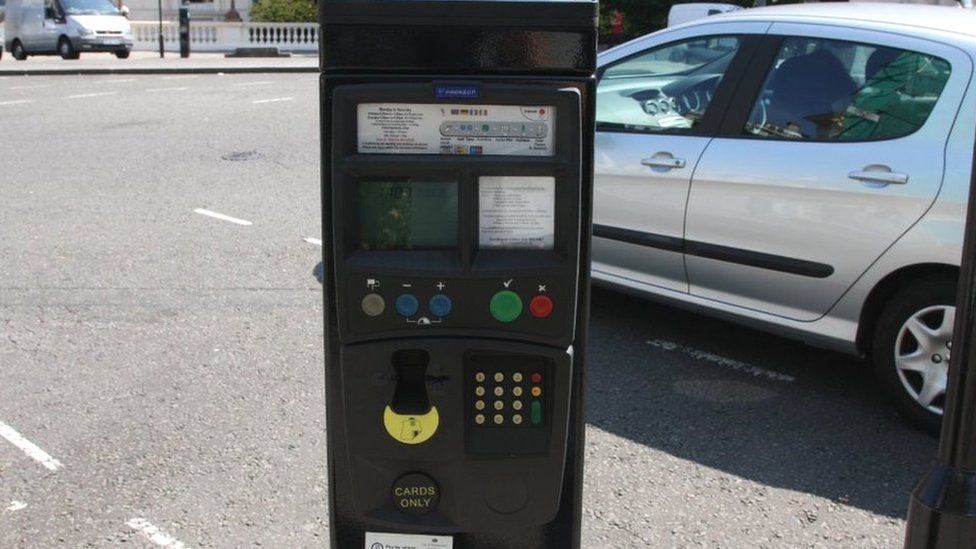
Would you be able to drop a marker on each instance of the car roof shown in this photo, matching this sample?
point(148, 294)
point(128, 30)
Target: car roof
point(956, 20)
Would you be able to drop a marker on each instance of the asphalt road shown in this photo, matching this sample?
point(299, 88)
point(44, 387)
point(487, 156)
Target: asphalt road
point(163, 368)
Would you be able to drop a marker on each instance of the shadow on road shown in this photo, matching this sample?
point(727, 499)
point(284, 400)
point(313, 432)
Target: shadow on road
point(829, 433)
point(319, 273)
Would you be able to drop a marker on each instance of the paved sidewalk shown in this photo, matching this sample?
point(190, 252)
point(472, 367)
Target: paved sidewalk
point(149, 62)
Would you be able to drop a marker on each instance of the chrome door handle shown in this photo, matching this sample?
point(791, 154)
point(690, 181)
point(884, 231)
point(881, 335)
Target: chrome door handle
point(664, 160)
point(886, 177)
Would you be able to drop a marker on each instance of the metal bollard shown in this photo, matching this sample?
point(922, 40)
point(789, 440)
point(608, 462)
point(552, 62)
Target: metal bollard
point(184, 31)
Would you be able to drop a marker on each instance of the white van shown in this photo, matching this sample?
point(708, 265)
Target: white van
point(3, 4)
point(65, 28)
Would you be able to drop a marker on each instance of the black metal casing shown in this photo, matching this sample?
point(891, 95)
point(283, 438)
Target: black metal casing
point(516, 487)
point(942, 508)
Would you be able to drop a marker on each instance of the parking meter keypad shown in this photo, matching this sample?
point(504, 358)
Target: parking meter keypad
point(507, 397)
point(507, 403)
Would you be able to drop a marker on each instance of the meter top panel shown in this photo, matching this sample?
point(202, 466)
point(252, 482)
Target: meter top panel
point(456, 210)
point(459, 36)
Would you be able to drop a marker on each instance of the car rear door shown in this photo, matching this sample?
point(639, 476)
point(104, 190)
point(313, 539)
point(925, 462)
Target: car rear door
point(833, 150)
point(658, 105)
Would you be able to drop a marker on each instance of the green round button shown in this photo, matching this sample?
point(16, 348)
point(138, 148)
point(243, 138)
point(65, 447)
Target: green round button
point(506, 306)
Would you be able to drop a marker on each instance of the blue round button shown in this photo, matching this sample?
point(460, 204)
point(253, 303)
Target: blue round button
point(407, 305)
point(440, 305)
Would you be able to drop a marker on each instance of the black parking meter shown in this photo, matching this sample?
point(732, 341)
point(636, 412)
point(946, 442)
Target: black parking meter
point(942, 508)
point(457, 143)
point(184, 30)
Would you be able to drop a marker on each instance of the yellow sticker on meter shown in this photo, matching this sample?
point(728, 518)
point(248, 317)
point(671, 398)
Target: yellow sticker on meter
point(411, 429)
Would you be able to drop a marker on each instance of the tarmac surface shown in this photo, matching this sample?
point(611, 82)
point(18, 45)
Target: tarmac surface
point(161, 368)
point(144, 62)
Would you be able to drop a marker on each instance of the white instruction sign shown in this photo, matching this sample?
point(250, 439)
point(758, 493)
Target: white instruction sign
point(517, 212)
point(377, 540)
point(412, 128)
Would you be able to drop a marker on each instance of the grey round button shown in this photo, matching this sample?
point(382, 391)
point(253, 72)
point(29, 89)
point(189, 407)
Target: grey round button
point(373, 305)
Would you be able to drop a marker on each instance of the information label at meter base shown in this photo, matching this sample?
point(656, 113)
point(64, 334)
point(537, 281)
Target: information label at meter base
point(394, 128)
point(379, 540)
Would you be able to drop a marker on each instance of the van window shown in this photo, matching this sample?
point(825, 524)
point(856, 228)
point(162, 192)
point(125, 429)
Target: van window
point(89, 7)
point(831, 90)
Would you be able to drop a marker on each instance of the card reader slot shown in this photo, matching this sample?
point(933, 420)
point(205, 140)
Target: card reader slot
point(410, 394)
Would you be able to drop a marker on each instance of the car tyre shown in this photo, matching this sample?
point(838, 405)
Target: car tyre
point(17, 50)
point(122, 54)
point(66, 50)
point(911, 349)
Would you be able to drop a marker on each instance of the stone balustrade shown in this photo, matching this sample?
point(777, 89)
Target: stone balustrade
point(211, 36)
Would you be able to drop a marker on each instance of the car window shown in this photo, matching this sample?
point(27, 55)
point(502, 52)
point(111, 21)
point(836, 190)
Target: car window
point(664, 89)
point(831, 90)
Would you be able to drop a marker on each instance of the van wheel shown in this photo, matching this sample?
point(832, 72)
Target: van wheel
point(122, 54)
point(66, 50)
point(17, 50)
point(911, 349)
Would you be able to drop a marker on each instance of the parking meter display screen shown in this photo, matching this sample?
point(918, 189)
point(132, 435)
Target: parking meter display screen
point(407, 214)
point(516, 212)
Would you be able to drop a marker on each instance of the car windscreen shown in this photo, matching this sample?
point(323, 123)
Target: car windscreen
point(89, 7)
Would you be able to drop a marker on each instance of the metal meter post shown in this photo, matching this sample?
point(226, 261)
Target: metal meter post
point(457, 172)
point(184, 30)
point(942, 512)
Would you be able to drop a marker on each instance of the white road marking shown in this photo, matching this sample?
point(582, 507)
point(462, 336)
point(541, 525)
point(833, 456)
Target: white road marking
point(28, 447)
point(16, 506)
point(31, 87)
point(154, 90)
point(180, 77)
point(16, 102)
point(154, 534)
point(98, 94)
point(262, 83)
point(736, 365)
point(115, 81)
point(315, 241)
point(275, 100)
point(221, 216)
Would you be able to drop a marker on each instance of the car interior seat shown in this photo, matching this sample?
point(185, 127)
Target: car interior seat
point(807, 92)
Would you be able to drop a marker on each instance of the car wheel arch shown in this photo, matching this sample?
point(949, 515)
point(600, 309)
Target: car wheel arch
point(890, 285)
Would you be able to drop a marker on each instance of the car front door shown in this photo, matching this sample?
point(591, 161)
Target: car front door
point(658, 105)
point(833, 151)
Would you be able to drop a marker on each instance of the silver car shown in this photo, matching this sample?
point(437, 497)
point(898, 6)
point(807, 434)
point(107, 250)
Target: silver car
point(803, 169)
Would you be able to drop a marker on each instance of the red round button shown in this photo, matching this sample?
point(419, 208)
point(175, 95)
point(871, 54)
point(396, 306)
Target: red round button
point(541, 306)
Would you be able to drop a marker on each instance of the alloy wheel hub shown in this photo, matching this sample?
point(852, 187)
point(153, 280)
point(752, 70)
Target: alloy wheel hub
point(922, 352)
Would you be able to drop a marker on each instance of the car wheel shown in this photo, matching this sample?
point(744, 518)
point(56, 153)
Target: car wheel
point(122, 54)
point(912, 345)
point(66, 50)
point(17, 50)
